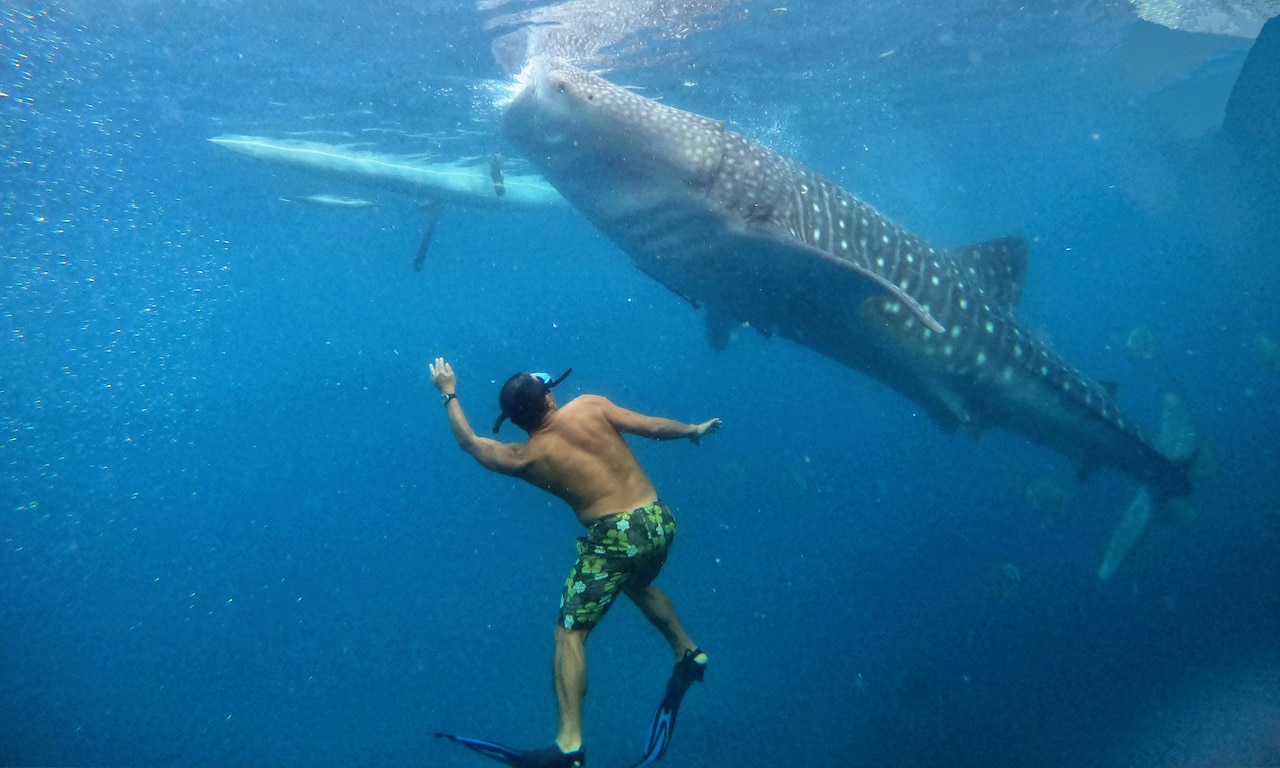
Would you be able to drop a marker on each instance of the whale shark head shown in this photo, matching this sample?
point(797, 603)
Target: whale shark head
point(568, 121)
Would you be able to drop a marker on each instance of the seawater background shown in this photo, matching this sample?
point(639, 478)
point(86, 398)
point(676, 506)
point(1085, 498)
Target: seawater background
point(236, 530)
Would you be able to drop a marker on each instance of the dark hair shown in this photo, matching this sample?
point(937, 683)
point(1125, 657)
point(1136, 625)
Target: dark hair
point(524, 399)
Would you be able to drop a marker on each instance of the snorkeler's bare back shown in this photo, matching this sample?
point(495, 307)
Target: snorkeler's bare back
point(581, 457)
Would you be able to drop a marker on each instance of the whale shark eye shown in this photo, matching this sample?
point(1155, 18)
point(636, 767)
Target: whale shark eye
point(562, 86)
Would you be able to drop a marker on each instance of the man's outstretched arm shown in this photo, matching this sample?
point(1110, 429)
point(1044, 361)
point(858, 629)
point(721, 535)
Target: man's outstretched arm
point(655, 427)
point(492, 454)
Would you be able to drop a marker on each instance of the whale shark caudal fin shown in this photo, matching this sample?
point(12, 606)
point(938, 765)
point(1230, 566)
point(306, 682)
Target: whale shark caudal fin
point(1180, 441)
point(1132, 525)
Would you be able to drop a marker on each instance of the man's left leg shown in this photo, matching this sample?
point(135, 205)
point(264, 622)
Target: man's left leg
point(661, 612)
point(571, 685)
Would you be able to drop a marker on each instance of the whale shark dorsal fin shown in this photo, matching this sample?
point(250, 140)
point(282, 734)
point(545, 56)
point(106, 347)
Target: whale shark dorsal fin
point(996, 267)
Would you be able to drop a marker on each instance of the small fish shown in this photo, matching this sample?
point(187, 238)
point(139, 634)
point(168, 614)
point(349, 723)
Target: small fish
point(331, 201)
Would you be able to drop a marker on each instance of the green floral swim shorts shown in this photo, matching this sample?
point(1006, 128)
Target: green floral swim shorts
point(619, 551)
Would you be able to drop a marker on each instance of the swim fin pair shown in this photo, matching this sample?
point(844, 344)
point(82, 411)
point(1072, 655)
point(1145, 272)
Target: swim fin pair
point(688, 671)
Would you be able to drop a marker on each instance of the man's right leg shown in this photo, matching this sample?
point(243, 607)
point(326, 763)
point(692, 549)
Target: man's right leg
point(661, 612)
point(571, 685)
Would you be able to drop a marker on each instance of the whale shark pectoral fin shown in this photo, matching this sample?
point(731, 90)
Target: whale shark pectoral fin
point(907, 300)
point(772, 232)
point(719, 328)
point(948, 408)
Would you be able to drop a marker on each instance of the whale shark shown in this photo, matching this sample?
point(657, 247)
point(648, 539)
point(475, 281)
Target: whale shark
point(757, 238)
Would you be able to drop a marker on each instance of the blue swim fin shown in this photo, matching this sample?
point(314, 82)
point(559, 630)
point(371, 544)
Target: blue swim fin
point(688, 671)
point(550, 757)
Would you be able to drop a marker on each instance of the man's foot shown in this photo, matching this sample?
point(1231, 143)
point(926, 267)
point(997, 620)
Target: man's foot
point(552, 757)
point(688, 671)
point(693, 666)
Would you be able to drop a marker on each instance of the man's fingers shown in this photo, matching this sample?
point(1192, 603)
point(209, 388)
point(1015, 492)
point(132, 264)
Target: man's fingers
point(440, 368)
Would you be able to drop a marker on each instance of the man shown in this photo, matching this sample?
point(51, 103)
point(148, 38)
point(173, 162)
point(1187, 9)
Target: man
point(577, 453)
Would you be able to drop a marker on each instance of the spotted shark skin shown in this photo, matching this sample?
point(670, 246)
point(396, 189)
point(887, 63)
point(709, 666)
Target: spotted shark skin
point(757, 238)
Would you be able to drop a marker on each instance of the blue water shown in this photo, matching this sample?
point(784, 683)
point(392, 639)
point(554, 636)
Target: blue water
point(236, 531)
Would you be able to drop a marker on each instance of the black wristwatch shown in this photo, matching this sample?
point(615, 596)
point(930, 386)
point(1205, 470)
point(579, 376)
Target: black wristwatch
point(444, 399)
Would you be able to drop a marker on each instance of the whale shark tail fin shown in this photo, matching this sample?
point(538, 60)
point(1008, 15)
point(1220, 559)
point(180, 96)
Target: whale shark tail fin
point(1181, 441)
point(1133, 523)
